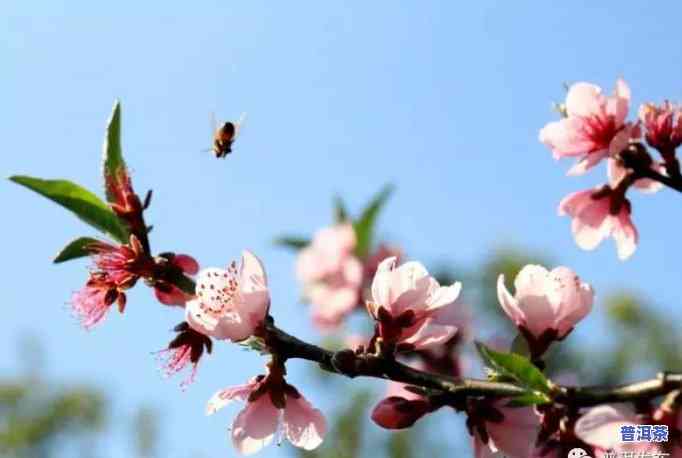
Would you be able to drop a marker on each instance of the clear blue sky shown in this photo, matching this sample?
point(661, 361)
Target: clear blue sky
point(444, 99)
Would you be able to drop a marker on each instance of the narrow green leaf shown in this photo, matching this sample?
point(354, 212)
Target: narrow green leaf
point(75, 249)
point(364, 226)
point(340, 212)
point(530, 398)
point(516, 367)
point(295, 243)
point(84, 204)
point(113, 154)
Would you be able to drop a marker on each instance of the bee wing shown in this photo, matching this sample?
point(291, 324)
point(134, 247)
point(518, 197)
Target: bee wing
point(239, 124)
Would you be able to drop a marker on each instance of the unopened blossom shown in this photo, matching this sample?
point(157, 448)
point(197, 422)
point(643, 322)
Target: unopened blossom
point(93, 301)
point(600, 427)
point(271, 405)
point(401, 408)
point(230, 303)
point(594, 126)
point(410, 307)
point(663, 125)
point(593, 220)
point(185, 350)
point(331, 275)
point(546, 305)
point(166, 292)
point(503, 431)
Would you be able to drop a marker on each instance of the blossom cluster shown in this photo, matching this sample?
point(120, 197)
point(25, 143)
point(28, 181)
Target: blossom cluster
point(595, 128)
point(419, 323)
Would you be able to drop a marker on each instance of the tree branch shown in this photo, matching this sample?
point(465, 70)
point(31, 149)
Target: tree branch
point(346, 362)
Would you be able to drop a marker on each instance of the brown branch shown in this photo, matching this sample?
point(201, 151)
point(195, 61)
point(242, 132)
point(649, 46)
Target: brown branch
point(346, 362)
point(350, 364)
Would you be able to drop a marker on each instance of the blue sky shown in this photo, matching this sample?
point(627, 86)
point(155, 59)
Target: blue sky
point(445, 99)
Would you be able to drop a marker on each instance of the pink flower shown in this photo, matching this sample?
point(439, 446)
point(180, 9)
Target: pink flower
point(230, 304)
point(663, 125)
point(411, 308)
point(166, 292)
point(256, 425)
point(617, 171)
point(593, 221)
point(594, 126)
point(92, 302)
point(600, 427)
point(547, 304)
point(511, 431)
point(183, 351)
point(331, 275)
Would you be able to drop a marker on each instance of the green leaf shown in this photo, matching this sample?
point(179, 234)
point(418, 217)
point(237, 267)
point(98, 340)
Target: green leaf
point(113, 155)
point(84, 204)
point(364, 226)
point(295, 243)
point(516, 367)
point(530, 398)
point(340, 212)
point(76, 249)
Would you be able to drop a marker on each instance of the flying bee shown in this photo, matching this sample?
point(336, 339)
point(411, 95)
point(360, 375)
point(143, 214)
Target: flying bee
point(224, 136)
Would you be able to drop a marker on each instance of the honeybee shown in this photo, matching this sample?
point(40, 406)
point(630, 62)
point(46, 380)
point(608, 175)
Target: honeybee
point(224, 135)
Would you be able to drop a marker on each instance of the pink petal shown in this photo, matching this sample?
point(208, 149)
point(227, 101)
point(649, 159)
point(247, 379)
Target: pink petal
point(381, 281)
point(584, 99)
point(252, 273)
point(330, 306)
point(442, 296)
point(235, 327)
point(618, 104)
point(587, 162)
point(198, 320)
point(508, 303)
point(592, 224)
point(428, 334)
point(573, 298)
point(223, 397)
point(304, 426)
point(566, 138)
point(308, 266)
point(600, 426)
point(625, 234)
point(255, 426)
point(516, 435)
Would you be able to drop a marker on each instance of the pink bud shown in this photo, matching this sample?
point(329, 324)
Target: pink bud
point(663, 124)
point(546, 301)
point(187, 263)
point(594, 126)
point(593, 222)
